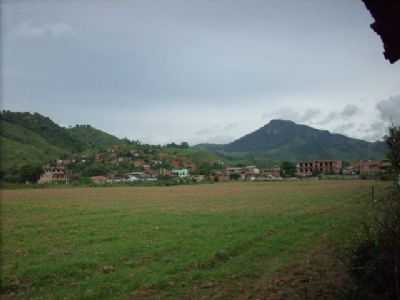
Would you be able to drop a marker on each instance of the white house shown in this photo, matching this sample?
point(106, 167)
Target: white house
point(135, 176)
point(180, 172)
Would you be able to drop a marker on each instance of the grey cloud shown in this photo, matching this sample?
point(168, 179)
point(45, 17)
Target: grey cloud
point(287, 113)
point(332, 116)
point(220, 139)
point(344, 128)
point(217, 133)
point(349, 111)
point(28, 30)
point(389, 109)
point(309, 115)
point(187, 49)
point(142, 57)
point(205, 131)
point(373, 132)
point(231, 126)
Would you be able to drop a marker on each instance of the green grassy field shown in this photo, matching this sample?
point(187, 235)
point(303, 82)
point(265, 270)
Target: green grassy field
point(167, 242)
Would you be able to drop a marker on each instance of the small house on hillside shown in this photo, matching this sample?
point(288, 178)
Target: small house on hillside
point(219, 176)
point(99, 179)
point(274, 172)
point(180, 173)
point(177, 164)
point(135, 176)
point(198, 178)
point(139, 163)
point(164, 172)
point(374, 167)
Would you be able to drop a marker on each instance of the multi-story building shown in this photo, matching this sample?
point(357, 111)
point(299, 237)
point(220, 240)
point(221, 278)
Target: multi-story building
point(309, 168)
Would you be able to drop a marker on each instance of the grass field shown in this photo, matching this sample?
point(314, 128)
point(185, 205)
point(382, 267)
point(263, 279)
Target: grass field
point(167, 242)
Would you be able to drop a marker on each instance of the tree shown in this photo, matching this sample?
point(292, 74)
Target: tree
point(234, 176)
point(30, 173)
point(205, 168)
point(171, 145)
point(95, 169)
point(288, 169)
point(393, 141)
point(375, 263)
point(184, 145)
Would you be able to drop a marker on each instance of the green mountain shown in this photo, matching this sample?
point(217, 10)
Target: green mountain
point(286, 140)
point(92, 138)
point(42, 126)
point(30, 138)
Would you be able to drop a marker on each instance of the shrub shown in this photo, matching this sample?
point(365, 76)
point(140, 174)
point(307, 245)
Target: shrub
point(375, 263)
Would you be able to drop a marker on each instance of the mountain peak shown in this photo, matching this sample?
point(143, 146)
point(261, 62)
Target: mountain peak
point(281, 121)
point(286, 140)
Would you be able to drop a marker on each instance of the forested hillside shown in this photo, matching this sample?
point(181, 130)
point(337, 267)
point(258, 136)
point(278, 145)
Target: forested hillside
point(33, 139)
point(92, 138)
point(30, 140)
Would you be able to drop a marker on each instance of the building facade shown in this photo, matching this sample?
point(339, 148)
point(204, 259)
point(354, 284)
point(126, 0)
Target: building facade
point(53, 175)
point(310, 168)
point(374, 167)
point(271, 172)
point(180, 172)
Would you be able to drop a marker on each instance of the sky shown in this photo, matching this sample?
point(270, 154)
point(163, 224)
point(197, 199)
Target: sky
point(198, 70)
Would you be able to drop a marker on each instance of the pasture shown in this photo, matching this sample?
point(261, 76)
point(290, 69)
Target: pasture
point(168, 242)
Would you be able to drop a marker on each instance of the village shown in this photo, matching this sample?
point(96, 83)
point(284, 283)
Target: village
point(138, 166)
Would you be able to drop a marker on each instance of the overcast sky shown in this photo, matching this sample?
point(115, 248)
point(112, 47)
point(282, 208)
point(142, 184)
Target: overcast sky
point(198, 70)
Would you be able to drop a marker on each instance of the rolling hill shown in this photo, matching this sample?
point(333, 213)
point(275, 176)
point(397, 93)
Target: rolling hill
point(30, 138)
point(286, 140)
point(40, 126)
point(92, 138)
point(33, 139)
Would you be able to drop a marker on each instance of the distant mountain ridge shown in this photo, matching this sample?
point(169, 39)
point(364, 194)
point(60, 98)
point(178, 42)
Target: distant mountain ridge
point(30, 138)
point(286, 140)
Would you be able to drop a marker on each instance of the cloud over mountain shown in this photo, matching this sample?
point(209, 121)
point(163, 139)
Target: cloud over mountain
point(389, 109)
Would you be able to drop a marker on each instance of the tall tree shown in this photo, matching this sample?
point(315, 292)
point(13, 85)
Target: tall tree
point(30, 173)
point(288, 169)
point(393, 141)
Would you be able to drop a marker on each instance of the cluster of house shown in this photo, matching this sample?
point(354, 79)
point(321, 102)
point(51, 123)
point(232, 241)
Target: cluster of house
point(59, 174)
point(248, 173)
point(141, 176)
point(365, 168)
point(145, 165)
